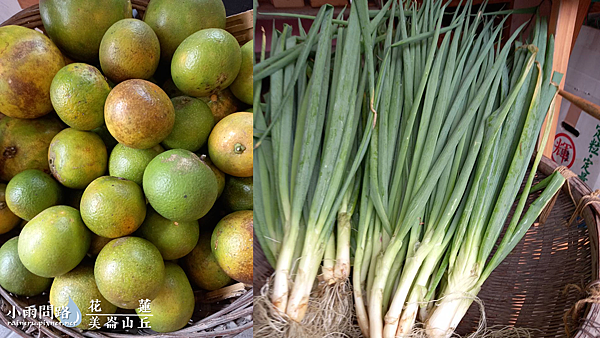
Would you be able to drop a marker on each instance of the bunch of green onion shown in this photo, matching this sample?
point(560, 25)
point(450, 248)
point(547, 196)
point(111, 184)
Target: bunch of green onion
point(311, 138)
point(415, 135)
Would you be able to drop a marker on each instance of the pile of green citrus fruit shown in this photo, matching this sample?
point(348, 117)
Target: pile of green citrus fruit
point(125, 156)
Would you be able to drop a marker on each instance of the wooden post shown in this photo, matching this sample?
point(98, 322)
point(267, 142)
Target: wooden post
point(563, 22)
point(584, 7)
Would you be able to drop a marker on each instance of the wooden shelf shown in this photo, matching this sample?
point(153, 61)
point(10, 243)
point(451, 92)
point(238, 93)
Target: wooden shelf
point(266, 7)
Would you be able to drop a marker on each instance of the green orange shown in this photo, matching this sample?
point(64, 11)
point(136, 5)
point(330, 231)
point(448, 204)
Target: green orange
point(77, 157)
point(24, 144)
point(14, 276)
point(31, 192)
point(173, 21)
point(206, 62)
point(173, 239)
point(139, 114)
point(201, 265)
point(193, 123)
point(79, 285)
point(54, 242)
point(219, 175)
point(238, 193)
point(230, 145)
point(113, 207)
point(173, 307)
point(129, 269)
point(130, 163)
point(77, 26)
point(242, 86)
point(129, 50)
point(8, 220)
point(28, 63)
point(231, 243)
point(179, 186)
point(78, 93)
point(222, 103)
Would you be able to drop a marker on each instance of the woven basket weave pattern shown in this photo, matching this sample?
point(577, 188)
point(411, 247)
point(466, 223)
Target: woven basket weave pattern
point(207, 316)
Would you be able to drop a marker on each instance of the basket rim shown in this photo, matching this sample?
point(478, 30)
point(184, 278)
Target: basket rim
point(34, 10)
point(239, 308)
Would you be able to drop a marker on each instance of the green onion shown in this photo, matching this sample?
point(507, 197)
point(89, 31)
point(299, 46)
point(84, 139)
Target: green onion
point(416, 136)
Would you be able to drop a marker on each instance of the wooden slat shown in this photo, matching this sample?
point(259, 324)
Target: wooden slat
point(563, 19)
point(584, 6)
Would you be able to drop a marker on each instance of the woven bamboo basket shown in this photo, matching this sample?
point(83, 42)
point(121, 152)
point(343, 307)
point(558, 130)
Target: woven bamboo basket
point(544, 276)
point(221, 313)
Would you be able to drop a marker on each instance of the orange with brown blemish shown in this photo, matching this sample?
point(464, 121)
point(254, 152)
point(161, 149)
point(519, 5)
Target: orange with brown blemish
point(28, 62)
point(139, 114)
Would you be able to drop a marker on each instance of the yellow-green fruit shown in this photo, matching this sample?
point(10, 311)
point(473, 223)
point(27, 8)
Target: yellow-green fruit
point(238, 193)
point(230, 145)
point(219, 175)
point(31, 192)
point(113, 207)
point(179, 186)
point(201, 265)
point(54, 242)
point(129, 269)
point(173, 239)
point(206, 62)
point(242, 86)
point(78, 93)
point(79, 285)
point(173, 307)
point(24, 144)
point(129, 50)
point(231, 243)
point(221, 103)
point(8, 220)
point(14, 277)
point(175, 21)
point(77, 158)
point(130, 163)
point(193, 123)
point(139, 114)
point(77, 26)
point(28, 62)
point(97, 244)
